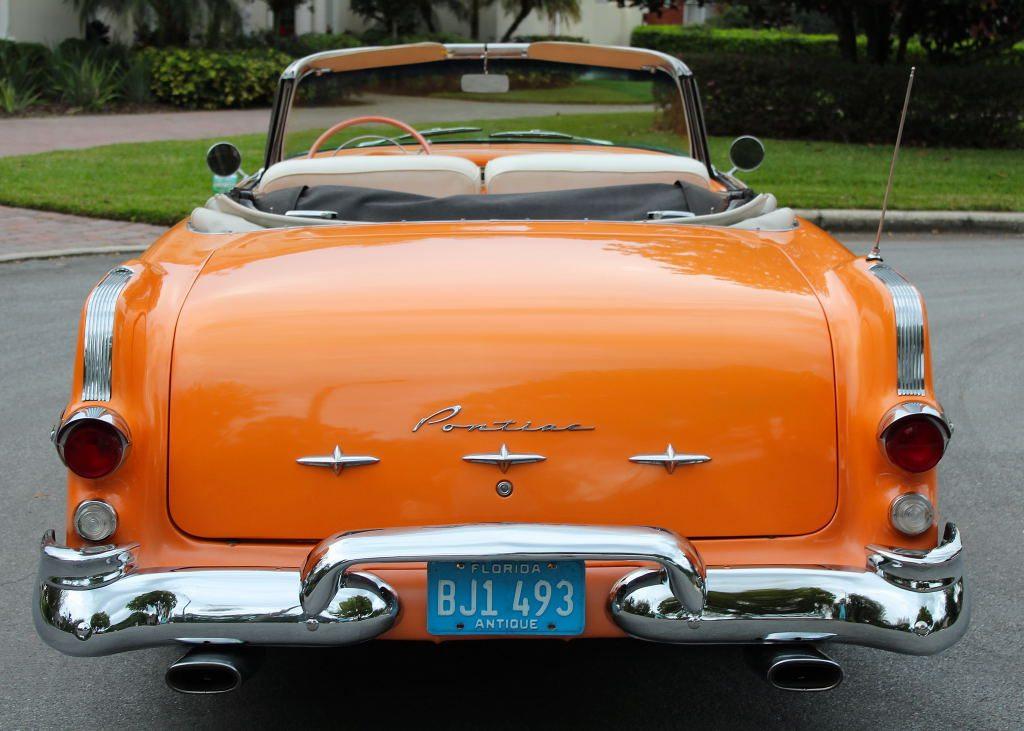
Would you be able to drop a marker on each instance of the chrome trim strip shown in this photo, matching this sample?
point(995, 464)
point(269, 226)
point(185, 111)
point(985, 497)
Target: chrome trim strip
point(98, 340)
point(338, 460)
point(504, 459)
point(909, 313)
point(329, 562)
point(94, 602)
point(670, 459)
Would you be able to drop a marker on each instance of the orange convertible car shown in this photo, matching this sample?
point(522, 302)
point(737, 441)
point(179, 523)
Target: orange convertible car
point(474, 380)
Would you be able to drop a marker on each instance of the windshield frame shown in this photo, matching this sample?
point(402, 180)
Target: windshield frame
point(583, 54)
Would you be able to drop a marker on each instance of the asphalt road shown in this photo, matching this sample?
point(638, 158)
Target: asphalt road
point(974, 288)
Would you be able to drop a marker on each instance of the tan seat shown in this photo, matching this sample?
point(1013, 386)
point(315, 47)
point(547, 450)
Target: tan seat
point(433, 175)
point(566, 170)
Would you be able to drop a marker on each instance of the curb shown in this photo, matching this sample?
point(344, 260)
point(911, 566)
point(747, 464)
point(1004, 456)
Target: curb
point(835, 219)
point(79, 251)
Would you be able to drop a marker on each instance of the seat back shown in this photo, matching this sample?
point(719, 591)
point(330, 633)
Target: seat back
point(539, 172)
point(433, 175)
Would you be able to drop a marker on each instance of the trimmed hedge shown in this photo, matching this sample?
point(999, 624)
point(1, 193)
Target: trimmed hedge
point(684, 41)
point(199, 79)
point(827, 99)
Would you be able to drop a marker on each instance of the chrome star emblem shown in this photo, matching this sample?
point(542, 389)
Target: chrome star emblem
point(670, 459)
point(337, 460)
point(504, 458)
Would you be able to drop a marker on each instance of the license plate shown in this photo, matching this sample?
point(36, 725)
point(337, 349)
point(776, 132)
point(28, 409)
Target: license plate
point(506, 598)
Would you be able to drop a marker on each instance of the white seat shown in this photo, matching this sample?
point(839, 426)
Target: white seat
point(433, 175)
point(566, 170)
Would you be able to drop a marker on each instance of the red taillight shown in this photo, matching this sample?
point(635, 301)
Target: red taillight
point(915, 442)
point(92, 448)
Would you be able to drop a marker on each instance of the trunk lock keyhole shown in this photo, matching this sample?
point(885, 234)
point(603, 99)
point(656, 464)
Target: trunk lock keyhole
point(504, 488)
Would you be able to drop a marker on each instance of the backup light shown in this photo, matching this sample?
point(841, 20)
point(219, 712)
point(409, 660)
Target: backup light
point(912, 514)
point(95, 520)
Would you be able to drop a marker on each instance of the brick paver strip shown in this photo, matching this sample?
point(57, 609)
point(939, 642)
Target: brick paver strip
point(24, 231)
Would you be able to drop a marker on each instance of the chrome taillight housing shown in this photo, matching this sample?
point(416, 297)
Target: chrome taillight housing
point(914, 436)
point(92, 442)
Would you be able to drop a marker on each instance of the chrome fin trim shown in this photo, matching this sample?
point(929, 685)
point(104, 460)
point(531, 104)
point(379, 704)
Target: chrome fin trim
point(99, 334)
point(909, 311)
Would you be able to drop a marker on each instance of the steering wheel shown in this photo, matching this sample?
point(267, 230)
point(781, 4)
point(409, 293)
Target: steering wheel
point(331, 131)
point(367, 139)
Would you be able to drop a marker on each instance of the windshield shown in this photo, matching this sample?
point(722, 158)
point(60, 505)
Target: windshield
point(538, 102)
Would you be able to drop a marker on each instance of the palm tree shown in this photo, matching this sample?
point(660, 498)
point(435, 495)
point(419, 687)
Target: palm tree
point(522, 8)
point(172, 20)
point(473, 8)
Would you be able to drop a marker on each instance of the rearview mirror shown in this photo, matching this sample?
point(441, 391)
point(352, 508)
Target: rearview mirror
point(485, 83)
point(224, 159)
point(746, 153)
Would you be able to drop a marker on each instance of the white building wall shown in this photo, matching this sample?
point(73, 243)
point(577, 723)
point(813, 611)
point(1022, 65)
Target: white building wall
point(601, 21)
point(39, 21)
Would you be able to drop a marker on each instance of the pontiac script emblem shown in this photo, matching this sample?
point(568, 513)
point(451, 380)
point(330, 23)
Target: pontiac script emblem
point(445, 415)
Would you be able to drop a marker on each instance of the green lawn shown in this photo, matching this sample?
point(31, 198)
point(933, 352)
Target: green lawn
point(584, 91)
point(160, 182)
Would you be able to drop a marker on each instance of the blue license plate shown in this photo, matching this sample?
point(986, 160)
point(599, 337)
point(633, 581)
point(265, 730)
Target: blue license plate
point(506, 598)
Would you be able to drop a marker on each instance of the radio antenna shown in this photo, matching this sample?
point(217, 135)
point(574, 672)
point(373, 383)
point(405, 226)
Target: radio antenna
point(875, 254)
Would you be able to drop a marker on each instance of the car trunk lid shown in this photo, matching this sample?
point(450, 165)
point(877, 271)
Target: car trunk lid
point(585, 344)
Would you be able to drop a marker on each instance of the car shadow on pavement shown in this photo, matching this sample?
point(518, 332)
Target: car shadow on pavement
point(496, 684)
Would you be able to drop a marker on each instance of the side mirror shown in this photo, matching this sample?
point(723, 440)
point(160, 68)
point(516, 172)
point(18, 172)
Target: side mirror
point(485, 83)
point(224, 159)
point(746, 153)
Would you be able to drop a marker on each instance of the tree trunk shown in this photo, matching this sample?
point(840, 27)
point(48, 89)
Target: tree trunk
point(525, 8)
point(427, 13)
point(474, 20)
point(905, 29)
point(876, 19)
point(846, 29)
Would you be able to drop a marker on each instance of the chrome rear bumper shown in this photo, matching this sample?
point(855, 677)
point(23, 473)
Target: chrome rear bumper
point(95, 602)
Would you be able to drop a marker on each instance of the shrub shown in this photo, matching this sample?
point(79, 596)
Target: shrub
point(200, 79)
point(15, 99)
point(536, 38)
point(136, 80)
point(683, 41)
point(86, 82)
point(19, 75)
point(297, 46)
point(827, 99)
point(35, 56)
point(381, 37)
point(309, 43)
point(112, 53)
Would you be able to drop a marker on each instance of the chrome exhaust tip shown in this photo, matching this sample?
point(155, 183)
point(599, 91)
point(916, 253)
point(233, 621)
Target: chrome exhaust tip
point(802, 669)
point(204, 671)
